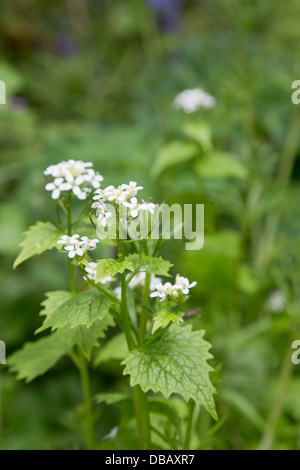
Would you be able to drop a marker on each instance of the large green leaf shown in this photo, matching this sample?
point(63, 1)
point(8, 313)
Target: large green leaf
point(81, 309)
point(39, 238)
point(110, 267)
point(35, 359)
point(150, 265)
point(176, 363)
point(85, 338)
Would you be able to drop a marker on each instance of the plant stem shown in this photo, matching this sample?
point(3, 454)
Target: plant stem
point(88, 405)
point(144, 315)
point(81, 361)
point(72, 277)
point(284, 376)
point(125, 315)
point(141, 410)
point(140, 402)
point(188, 433)
point(124, 309)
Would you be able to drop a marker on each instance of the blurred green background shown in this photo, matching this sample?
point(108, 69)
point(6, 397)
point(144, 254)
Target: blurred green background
point(95, 80)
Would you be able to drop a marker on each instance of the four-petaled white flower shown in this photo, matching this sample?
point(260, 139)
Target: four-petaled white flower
point(131, 189)
point(57, 186)
point(161, 290)
point(103, 216)
point(89, 244)
point(90, 177)
point(183, 284)
point(192, 99)
point(147, 206)
point(134, 206)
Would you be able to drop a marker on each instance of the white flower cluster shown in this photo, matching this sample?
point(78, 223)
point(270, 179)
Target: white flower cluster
point(91, 274)
point(121, 196)
point(77, 246)
point(193, 99)
point(139, 280)
point(276, 301)
point(74, 175)
point(182, 285)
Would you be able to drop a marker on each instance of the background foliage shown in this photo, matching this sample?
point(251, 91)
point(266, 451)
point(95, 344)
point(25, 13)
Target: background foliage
point(95, 80)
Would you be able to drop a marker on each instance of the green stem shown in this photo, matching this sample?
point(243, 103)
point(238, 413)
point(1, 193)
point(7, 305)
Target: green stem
point(72, 277)
point(140, 402)
point(188, 433)
point(98, 287)
point(141, 410)
point(283, 380)
point(58, 217)
point(125, 315)
point(144, 315)
point(88, 405)
point(124, 309)
point(81, 361)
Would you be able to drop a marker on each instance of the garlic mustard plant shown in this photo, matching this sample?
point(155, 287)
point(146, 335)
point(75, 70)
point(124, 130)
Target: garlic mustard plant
point(130, 293)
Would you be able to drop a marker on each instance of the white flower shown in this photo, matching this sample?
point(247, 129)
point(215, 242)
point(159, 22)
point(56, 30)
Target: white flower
point(99, 206)
point(147, 206)
point(90, 177)
point(76, 246)
point(192, 99)
point(91, 274)
point(131, 189)
point(171, 290)
point(134, 206)
point(183, 284)
point(81, 193)
point(88, 244)
point(276, 302)
point(103, 216)
point(57, 186)
point(65, 239)
point(161, 290)
point(72, 245)
point(111, 193)
point(74, 175)
point(98, 195)
point(118, 195)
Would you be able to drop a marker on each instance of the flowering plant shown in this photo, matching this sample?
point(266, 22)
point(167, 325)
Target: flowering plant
point(127, 292)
